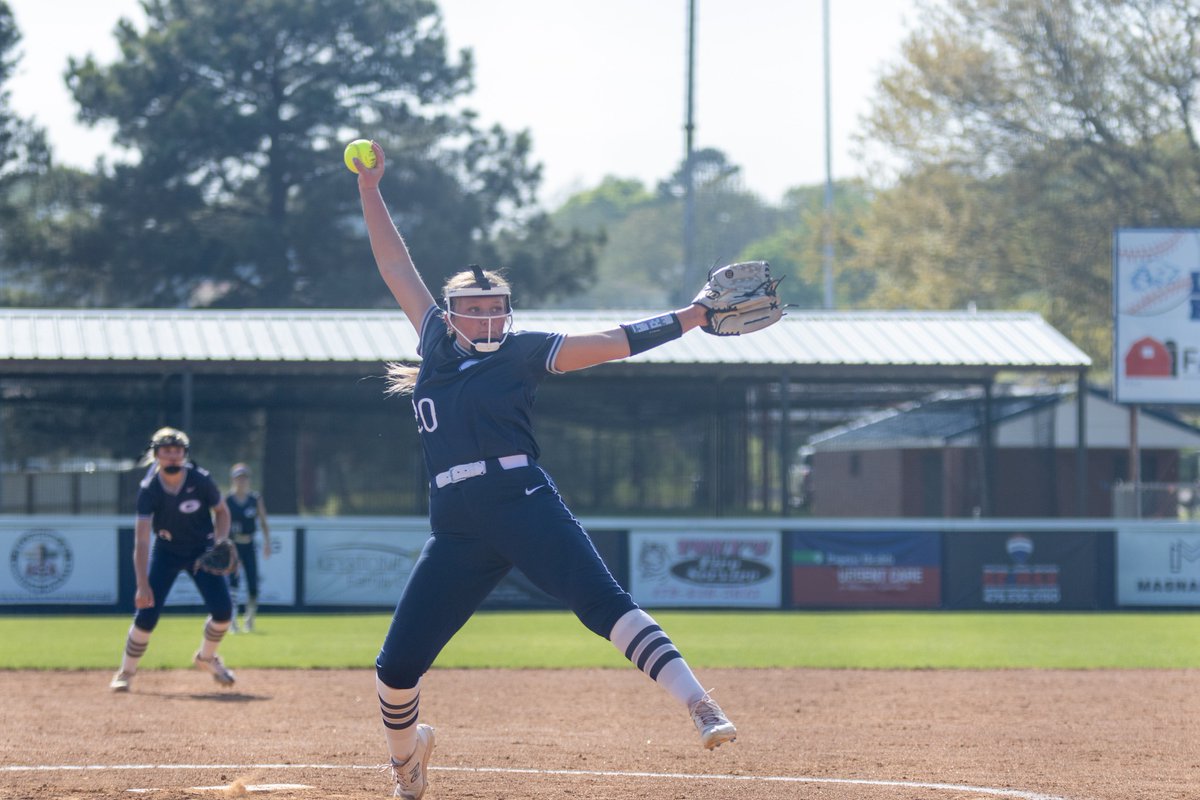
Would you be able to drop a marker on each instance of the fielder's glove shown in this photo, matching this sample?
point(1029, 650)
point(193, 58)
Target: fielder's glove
point(740, 298)
point(222, 559)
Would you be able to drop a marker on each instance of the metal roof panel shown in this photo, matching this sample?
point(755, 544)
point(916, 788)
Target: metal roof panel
point(95, 338)
point(165, 334)
point(20, 338)
point(71, 338)
point(815, 338)
point(283, 334)
point(235, 330)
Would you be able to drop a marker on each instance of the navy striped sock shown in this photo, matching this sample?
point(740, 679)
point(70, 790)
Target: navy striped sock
point(135, 647)
point(400, 709)
point(214, 632)
point(651, 650)
point(648, 648)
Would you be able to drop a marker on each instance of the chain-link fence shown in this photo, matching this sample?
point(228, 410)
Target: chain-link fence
point(1145, 500)
point(334, 445)
point(99, 490)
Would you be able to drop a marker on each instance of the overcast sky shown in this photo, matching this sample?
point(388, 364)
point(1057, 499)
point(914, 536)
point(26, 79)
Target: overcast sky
point(600, 84)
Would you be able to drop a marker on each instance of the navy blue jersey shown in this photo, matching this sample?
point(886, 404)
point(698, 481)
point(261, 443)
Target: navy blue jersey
point(471, 406)
point(181, 522)
point(243, 517)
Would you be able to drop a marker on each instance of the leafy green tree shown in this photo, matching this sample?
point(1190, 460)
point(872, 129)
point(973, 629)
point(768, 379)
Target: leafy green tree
point(1028, 130)
point(641, 264)
point(238, 113)
point(48, 215)
point(24, 159)
point(797, 250)
point(9, 124)
point(609, 203)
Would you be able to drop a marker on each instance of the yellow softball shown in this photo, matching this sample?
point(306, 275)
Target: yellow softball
point(360, 149)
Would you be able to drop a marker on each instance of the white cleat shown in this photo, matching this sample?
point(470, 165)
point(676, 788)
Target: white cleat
point(120, 682)
point(215, 667)
point(714, 727)
point(411, 777)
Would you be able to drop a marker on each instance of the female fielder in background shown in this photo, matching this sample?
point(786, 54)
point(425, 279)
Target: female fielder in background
point(176, 502)
point(246, 514)
point(491, 505)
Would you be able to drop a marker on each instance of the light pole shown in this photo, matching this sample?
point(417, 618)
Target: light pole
point(827, 217)
point(689, 183)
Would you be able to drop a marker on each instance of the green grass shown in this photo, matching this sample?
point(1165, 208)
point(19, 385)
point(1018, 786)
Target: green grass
point(853, 640)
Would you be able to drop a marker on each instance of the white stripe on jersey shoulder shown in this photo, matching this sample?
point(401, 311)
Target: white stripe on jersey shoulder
point(429, 313)
point(553, 354)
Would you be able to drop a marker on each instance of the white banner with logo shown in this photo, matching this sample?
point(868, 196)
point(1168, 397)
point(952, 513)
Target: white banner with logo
point(59, 565)
point(347, 566)
point(276, 575)
point(713, 568)
point(1158, 567)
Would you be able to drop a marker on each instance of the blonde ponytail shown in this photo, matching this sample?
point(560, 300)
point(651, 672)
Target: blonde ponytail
point(401, 379)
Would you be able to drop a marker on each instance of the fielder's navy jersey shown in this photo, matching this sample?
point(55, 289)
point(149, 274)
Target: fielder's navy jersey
point(181, 522)
point(471, 406)
point(243, 517)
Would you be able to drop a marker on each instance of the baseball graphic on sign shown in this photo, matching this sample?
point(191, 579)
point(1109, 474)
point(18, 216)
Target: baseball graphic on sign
point(1156, 269)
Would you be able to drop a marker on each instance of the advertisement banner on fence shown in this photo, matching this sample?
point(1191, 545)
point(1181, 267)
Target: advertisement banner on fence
point(59, 566)
point(840, 569)
point(1158, 568)
point(715, 569)
point(276, 575)
point(359, 567)
point(1002, 569)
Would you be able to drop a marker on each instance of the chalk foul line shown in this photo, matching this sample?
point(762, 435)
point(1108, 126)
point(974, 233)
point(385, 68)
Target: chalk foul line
point(987, 791)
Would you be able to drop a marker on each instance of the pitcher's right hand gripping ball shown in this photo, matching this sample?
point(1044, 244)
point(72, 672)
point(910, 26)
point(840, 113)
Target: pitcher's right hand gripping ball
point(740, 298)
point(222, 559)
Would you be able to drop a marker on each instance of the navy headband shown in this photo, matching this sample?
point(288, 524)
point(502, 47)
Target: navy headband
point(480, 279)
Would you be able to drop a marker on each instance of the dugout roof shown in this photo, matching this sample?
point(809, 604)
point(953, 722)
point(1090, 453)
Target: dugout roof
point(951, 418)
point(806, 345)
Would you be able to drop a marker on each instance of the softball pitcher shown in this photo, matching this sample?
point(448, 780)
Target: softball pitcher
point(491, 506)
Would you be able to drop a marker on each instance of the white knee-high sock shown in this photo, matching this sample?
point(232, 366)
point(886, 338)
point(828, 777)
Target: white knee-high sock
point(400, 708)
point(643, 642)
point(135, 647)
point(214, 632)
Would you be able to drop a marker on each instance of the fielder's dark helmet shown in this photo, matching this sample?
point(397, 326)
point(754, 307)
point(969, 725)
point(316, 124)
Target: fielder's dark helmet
point(164, 437)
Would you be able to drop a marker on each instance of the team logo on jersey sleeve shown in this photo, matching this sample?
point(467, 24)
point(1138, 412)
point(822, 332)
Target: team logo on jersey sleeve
point(190, 506)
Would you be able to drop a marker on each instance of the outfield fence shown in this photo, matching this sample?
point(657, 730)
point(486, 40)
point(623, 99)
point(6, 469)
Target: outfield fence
point(70, 564)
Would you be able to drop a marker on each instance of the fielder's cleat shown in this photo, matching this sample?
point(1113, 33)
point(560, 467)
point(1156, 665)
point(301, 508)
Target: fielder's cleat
point(215, 667)
point(120, 682)
point(715, 728)
point(410, 776)
point(233, 626)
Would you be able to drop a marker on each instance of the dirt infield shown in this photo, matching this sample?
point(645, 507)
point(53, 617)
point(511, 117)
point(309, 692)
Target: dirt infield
point(824, 735)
